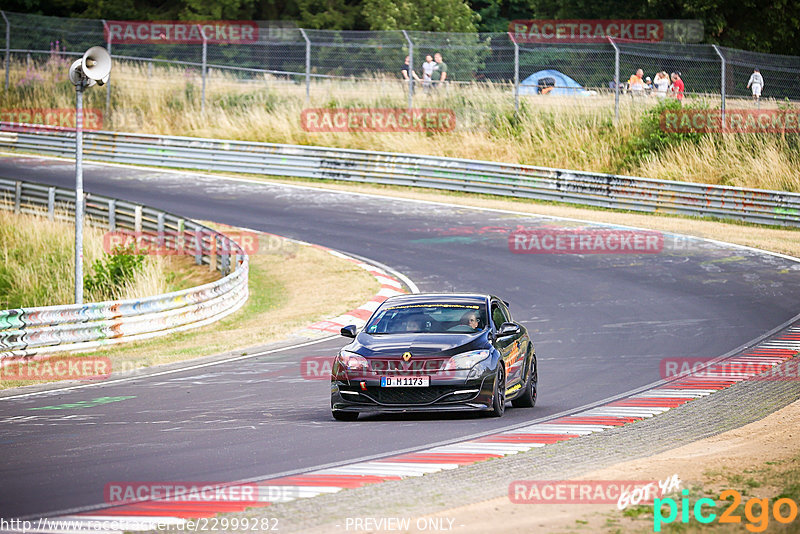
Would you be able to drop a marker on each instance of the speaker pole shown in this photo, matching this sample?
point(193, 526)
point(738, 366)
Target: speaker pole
point(93, 68)
point(79, 193)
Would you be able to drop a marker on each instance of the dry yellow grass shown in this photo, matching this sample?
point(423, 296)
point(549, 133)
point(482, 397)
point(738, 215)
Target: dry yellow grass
point(736, 160)
point(565, 132)
point(37, 265)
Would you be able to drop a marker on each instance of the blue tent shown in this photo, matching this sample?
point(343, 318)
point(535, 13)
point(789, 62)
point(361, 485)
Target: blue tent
point(561, 84)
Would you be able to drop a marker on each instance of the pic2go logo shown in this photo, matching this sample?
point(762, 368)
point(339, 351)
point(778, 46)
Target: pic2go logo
point(756, 511)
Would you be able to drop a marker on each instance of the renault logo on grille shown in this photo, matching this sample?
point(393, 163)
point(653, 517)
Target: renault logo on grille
point(406, 356)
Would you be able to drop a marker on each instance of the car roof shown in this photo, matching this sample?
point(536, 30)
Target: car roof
point(438, 298)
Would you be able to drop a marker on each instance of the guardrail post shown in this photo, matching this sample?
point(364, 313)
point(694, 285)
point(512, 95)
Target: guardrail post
point(108, 83)
point(212, 254)
point(410, 69)
point(8, 46)
point(51, 203)
point(225, 256)
point(180, 242)
point(198, 246)
point(160, 229)
point(137, 219)
point(308, 65)
point(722, 82)
point(112, 215)
point(616, 80)
point(17, 196)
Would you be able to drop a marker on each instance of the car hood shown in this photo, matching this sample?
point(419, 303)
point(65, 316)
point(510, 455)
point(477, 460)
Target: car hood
point(420, 345)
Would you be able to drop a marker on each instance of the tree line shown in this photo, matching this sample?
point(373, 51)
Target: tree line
point(747, 24)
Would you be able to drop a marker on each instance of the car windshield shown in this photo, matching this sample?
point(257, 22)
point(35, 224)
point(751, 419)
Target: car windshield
point(429, 318)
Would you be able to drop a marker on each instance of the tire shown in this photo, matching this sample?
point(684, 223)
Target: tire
point(344, 416)
point(499, 391)
point(527, 398)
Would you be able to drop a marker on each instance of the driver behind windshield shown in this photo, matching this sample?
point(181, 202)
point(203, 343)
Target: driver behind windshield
point(414, 324)
point(471, 320)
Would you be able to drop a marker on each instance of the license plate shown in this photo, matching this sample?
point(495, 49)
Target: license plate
point(405, 381)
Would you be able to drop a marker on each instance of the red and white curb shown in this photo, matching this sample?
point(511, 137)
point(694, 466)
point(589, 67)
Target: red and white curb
point(389, 287)
point(143, 515)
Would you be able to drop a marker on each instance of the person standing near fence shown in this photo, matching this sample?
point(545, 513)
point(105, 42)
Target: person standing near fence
point(756, 84)
point(636, 84)
point(407, 71)
point(661, 84)
point(677, 88)
point(440, 69)
point(427, 73)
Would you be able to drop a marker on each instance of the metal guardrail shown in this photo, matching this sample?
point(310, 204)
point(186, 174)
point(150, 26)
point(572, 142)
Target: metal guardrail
point(25, 332)
point(520, 181)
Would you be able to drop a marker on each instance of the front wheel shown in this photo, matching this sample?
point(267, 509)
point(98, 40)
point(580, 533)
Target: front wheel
point(499, 392)
point(527, 398)
point(344, 416)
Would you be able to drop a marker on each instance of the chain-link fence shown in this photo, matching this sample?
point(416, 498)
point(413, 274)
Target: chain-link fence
point(330, 62)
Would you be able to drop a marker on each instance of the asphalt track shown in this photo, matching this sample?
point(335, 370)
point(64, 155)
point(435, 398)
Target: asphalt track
point(601, 324)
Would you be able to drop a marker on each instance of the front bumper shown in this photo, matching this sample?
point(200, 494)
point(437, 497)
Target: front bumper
point(451, 394)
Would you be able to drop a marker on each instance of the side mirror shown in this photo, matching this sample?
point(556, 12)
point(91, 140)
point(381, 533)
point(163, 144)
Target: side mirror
point(508, 329)
point(348, 331)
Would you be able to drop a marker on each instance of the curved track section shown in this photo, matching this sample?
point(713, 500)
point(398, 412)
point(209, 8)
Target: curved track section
point(602, 325)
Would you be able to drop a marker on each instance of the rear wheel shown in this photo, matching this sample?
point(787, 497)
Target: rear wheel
point(344, 416)
point(527, 398)
point(499, 392)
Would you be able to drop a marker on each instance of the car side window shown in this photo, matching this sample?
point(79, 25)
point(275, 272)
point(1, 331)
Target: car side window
point(499, 316)
point(507, 313)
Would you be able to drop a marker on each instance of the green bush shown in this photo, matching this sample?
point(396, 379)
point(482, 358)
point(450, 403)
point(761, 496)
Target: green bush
point(652, 139)
point(112, 272)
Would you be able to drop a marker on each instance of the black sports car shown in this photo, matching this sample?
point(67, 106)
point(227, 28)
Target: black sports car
point(435, 352)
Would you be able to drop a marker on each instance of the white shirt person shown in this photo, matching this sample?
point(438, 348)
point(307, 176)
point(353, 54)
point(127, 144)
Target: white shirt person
point(756, 83)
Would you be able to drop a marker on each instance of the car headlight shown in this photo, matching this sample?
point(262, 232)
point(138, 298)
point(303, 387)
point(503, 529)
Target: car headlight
point(466, 360)
point(352, 361)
